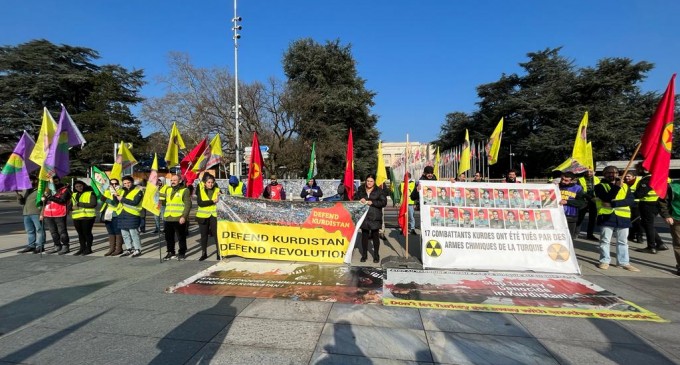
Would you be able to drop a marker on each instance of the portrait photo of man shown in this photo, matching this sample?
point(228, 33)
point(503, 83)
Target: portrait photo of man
point(543, 219)
point(443, 196)
point(430, 196)
point(465, 220)
point(496, 220)
point(481, 218)
point(527, 220)
point(516, 199)
point(458, 199)
point(436, 217)
point(485, 200)
point(531, 199)
point(511, 219)
point(452, 217)
point(472, 197)
point(501, 198)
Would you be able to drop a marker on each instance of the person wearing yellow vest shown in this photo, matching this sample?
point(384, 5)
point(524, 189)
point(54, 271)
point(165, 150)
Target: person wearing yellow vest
point(130, 198)
point(613, 201)
point(236, 188)
point(109, 215)
point(635, 231)
point(54, 214)
point(176, 216)
point(411, 202)
point(206, 215)
point(83, 211)
point(649, 208)
point(588, 182)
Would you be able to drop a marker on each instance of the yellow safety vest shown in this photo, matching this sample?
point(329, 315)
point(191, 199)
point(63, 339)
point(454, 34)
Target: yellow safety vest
point(162, 192)
point(174, 205)
point(652, 196)
point(80, 212)
point(584, 184)
point(623, 212)
point(135, 210)
point(411, 186)
point(211, 210)
point(633, 187)
point(236, 191)
point(118, 208)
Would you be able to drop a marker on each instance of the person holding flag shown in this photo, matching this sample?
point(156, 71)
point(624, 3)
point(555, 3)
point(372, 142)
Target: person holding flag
point(56, 200)
point(109, 211)
point(207, 197)
point(32, 223)
point(84, 203)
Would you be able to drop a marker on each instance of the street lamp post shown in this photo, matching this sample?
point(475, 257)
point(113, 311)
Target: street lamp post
point(236, 28)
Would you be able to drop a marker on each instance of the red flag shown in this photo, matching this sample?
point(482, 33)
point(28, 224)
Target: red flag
point(190, 160)
point(349, 167)
point(255, 185)
point(658, 141)
point(524, 174)
point(404, 207)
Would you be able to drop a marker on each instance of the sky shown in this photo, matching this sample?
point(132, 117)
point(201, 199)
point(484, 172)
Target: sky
point(423, 59)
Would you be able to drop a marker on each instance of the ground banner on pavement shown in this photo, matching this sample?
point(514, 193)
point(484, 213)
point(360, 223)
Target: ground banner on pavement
point(296, 281)
point(491, 226)
point(322, 232)
point(561, 295)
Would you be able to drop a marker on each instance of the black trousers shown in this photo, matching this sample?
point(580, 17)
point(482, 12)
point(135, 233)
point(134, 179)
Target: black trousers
point(207, 227)
point(573, 226)
point(375, 236)
point(57, 228)
point(84, 229)
point(592, 218)
point(649, 211)
point(635, 230)
point(172, 228)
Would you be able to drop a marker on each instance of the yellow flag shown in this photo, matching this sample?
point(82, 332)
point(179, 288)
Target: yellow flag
point(210, 157)
point(174, 145)
point(580, 152)
point(124, 159)
point(494, 144)
point(437, 161)
point(381, 174)
point(42, 143)
point(589, 156)
point(151, 201)
point(464, 163)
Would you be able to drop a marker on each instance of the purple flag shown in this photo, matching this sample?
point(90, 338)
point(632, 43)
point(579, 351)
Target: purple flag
point(67, 135)
point(14, 176)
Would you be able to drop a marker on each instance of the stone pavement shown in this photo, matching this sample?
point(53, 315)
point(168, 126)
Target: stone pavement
point(97, 310)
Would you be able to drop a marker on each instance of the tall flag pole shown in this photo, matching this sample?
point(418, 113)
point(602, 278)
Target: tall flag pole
point(657, 141)
point(14, 175)
point(348, 179)
point(255, 180)
point(175, 143)
point(381, 174)
point(311, 173)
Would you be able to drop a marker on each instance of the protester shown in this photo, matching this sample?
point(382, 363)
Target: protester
point(109, 215)
point(206, 215)
point(311, 192)
point(373, 196)
point(177, 208)
point(83, 213)
point(649, 209)
point(411, 202)
point(670, 211)
point(636, 230)
point(477, 177)
point(236, 187)
point(613, 201)
point(142, 217)
point(588, 182)
point(130, 198)
point(572, 199)
point(511, 176)
point(54, 215)
point(274, 190)
point(35, 231)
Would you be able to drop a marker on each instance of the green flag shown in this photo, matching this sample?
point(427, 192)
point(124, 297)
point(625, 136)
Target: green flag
point(100, 181)
point(312, 163)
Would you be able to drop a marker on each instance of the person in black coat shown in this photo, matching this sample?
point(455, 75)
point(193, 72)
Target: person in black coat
point(311, 192)
point(374, 197)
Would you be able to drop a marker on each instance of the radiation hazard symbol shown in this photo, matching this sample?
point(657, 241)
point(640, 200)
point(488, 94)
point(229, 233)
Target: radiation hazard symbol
point(433, 248)
point(557, 252)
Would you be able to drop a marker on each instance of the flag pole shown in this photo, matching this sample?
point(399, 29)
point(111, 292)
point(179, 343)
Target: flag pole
point(405, 199)
point(637, 149)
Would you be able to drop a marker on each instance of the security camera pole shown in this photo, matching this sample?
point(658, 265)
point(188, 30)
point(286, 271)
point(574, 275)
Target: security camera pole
point(236, 20)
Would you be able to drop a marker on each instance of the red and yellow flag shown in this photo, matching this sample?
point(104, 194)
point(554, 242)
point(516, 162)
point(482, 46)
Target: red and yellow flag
point(255, 185)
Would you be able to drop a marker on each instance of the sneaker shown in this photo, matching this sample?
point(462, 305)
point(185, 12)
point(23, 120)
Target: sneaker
point(169, 256)
point(39, 250)
point(27, 249)
point(603, 266)
point(126, 253)
point(136, 253)
point(203, 257)
point(630, 267)
point(181, 257)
